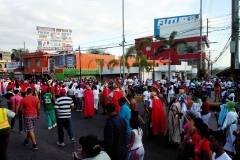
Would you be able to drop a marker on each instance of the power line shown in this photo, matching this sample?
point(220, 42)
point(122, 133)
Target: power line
point(146, 31)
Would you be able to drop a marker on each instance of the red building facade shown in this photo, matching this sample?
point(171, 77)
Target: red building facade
point(190, 54)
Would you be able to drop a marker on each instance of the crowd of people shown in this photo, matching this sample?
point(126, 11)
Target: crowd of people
point(177, 108)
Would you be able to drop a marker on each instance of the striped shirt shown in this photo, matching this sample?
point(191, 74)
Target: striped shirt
point(64, 104)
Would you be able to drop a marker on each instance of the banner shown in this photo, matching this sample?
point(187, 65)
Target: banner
point(70, 60)
point(162, 23)
point(54, 39)
point(12, 65)
point(77, 71)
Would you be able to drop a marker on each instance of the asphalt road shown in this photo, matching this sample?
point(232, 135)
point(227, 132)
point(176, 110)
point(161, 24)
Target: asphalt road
point(155, 148)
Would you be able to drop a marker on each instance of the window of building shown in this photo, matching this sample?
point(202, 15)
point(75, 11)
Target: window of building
point(38, 63)
point(28, 63)
point(0, 56)
point(190, 48)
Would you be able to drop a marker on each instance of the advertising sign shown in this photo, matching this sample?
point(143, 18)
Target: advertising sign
point(84, 72)
point(54, 39)
point(12, 65)
point(70, 61)
point(160, 22)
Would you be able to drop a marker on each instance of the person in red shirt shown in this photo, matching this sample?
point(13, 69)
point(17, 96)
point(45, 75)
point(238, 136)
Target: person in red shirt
point(23, 88)
point(44, 88)
point(205, 113)
point(202, 149)
point(9, 86)
point(31, 85)
point(31, 109)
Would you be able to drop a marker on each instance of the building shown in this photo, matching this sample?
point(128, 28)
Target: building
point(188, 28)
point(62, 66)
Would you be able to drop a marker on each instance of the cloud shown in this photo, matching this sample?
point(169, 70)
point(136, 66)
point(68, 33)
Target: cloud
point(90, 20)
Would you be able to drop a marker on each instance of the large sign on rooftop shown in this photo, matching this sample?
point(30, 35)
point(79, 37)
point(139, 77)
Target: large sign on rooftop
point(54, 39)
point(162, 23)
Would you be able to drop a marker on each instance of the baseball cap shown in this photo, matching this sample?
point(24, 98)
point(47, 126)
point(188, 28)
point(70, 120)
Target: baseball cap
point(63, 91)
point(145, 87)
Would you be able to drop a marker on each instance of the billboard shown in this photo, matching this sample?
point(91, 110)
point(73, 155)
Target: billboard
point(12, 65)
point(54, 39)
point(70, 60)
point(161, 23)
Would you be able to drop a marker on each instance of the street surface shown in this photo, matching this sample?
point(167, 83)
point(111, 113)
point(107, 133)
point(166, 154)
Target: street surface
point(155, 148)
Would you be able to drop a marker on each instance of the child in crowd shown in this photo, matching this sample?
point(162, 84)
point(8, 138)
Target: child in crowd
point(136, 147)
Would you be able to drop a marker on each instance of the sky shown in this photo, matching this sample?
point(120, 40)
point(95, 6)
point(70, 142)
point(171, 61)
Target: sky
point(98, 23)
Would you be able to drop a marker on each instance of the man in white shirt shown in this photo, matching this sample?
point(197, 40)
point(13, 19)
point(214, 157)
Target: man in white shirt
point(208, 88)
point(217, 141)
point(146, 95)
point(149, 83)
point(163, 81)
point(174, 80)
point(187, 82)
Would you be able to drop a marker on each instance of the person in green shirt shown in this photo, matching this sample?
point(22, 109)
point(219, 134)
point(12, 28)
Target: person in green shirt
point(48, 105)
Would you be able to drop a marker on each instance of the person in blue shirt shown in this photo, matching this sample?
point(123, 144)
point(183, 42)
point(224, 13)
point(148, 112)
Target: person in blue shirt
point(125, 113)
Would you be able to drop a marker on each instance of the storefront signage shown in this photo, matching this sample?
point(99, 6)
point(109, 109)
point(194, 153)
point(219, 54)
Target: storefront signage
point(84, 72)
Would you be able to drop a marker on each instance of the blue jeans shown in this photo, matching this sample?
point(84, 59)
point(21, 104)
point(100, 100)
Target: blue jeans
point(64, 123)
point(209, 92)
point(147, 102)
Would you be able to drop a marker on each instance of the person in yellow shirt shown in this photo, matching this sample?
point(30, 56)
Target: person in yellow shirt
point(4, 130)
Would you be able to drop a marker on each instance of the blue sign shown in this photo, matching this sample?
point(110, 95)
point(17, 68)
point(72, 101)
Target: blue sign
point(172, 20)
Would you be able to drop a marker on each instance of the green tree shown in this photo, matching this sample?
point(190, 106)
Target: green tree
point(215, 71)
point(136, 51)
point(101, 63)
point(17, 56)
point(114, 62)
point(97, 51)
point(172, 44)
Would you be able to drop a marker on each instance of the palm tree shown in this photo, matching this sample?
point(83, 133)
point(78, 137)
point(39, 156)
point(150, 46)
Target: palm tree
point(144, 64)
point(101, 64)
point(17, 55)
point(172, 45)
point(136, 51)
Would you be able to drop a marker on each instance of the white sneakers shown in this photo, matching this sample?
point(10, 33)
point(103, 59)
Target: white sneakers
point(61, 144)
point(54, 125)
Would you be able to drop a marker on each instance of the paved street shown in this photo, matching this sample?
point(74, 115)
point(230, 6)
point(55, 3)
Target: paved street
point(47, 139)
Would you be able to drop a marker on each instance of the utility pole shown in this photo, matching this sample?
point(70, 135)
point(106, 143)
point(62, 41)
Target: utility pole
point(80, 63)
point(24, 47)
point(153, 77)
point(207, 27)
point(201, 67)
point(234, 37)
point(123, 36)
